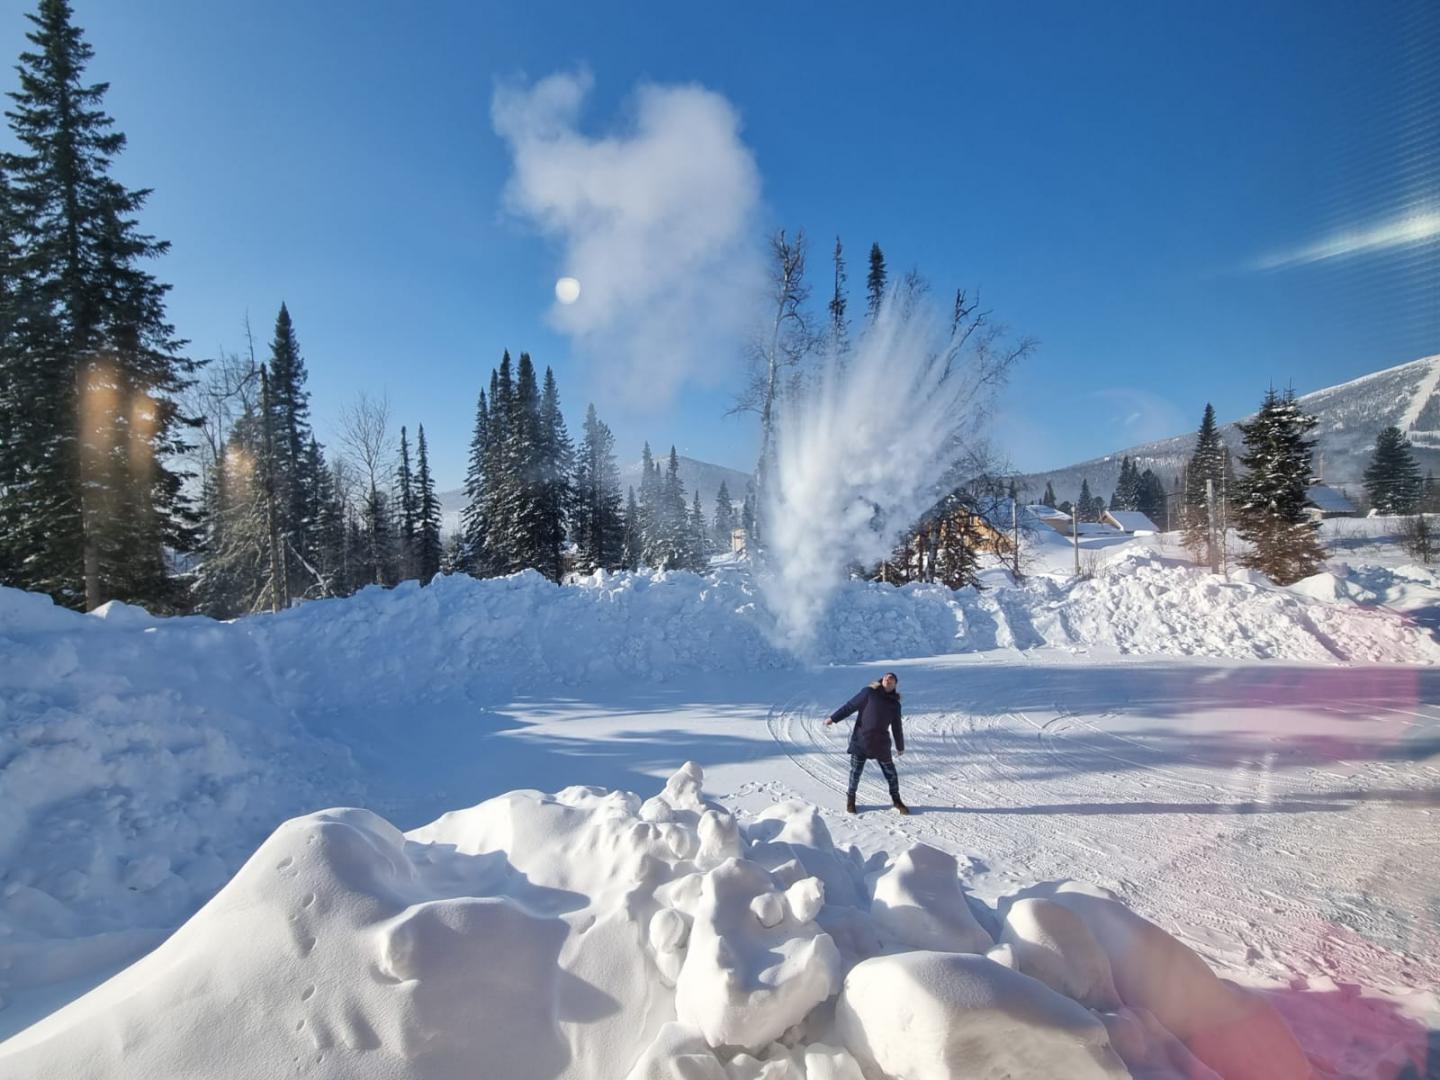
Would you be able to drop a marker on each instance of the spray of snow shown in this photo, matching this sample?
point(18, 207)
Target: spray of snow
point(859, 460)
point(656, 221)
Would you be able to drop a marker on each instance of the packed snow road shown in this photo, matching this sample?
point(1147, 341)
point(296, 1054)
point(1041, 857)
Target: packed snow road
point(1281, 820)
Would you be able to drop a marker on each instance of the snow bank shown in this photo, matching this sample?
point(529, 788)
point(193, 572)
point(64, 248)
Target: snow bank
point(588, 934)
point(142, 758)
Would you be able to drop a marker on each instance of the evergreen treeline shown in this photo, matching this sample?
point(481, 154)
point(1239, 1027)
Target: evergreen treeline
point(92, 504)
point(528, 488)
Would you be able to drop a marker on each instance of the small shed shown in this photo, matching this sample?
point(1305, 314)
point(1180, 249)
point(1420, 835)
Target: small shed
point(1130, 522)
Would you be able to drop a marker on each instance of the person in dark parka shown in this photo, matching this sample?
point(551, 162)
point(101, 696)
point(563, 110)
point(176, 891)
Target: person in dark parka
point(879, 708)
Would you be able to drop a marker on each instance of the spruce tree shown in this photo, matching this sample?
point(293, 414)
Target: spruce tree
point(1049, 499)
point(1392, 479)
point(649, 508)
point(428, 549)
point(290, 423)
point(599, 526)
point(1207, 463)
point(328, 532)
point(501, 473)
point(553, 461)
point(1150, 497)
point(1127, 491)
point(100, 501)
point(699, 536)
point(1272, 515)
point(632, 539)
point(405, 498)
point(875, 281)
point(1085, 507)
point(724, 524)
point(475, 555)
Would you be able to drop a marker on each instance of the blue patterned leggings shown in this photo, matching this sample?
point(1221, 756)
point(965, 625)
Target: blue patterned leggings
point(887, 766)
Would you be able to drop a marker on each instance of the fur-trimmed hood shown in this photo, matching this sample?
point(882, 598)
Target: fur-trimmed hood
point(879, 684)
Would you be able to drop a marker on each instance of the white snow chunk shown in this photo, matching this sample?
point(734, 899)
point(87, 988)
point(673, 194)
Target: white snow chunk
point(1053, 944)
point(919, 903)
point(938, 1015)
point(744, 984)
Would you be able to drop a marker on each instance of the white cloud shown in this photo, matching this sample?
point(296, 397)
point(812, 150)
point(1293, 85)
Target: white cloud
point(1413, 227)
point(657, 222)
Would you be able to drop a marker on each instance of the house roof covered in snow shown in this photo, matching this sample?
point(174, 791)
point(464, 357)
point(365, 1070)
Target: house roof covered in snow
point(1132, 521)
point(1047, 513)
point(1327, 500)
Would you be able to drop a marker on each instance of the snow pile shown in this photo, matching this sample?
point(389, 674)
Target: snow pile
point(1407, 587)
point(589, 934)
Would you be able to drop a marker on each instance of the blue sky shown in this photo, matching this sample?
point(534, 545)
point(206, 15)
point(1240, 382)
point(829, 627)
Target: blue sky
point(1133, 184)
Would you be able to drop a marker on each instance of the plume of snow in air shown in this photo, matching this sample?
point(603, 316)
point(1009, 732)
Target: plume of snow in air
point(861, 456)
point(656, 222)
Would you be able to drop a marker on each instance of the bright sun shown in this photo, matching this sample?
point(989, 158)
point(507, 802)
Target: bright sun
point(567, 290)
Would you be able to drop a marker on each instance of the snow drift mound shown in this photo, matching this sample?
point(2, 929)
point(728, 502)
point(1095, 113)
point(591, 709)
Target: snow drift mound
point(589, 934)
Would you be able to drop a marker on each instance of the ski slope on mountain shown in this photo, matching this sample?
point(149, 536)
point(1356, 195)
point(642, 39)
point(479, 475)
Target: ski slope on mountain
point(1254, 770)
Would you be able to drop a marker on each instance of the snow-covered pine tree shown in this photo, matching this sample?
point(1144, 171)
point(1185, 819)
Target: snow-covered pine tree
point(1049, 499)
point(381, 563)
point(328, 530)
point(1392, 479)
point(598, 528)
point(875, 282)
point(554, 461)
point(1206, 463)
point(408, 512)
point(671, 547)
point(747, 514)
point(632, 539)
point(428, 551)
point(525, 548)
point(18, 327)
point(700, 543)
point(475, 558)
point(501, 472)
point(649, 508)
point(101, 501)
point(724, 518)
point(290, 426)
point(1150, 497)
point(1271, 513)
point(1127, 491)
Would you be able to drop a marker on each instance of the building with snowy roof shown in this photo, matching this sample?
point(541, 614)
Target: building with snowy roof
point(1322, 501)
point(1131, 522)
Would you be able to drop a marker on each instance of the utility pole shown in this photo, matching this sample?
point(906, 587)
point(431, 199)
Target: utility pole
point(1213, 552)
point(1015, 537)
point(1075, 536)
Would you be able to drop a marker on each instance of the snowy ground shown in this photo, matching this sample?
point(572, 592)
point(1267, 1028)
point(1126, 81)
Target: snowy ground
point(1255, 770)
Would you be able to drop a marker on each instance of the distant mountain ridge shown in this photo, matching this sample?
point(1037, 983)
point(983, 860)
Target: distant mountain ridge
point(1350, 415)
point(704, 475)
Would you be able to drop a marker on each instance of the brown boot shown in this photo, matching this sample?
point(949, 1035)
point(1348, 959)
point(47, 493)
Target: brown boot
point(901, 807)
point(850, 804)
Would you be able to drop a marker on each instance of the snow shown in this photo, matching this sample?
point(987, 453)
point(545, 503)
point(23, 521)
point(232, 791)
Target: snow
point(1227, 760)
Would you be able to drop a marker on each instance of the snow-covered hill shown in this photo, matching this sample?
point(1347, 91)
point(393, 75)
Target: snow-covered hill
point(1350, 414)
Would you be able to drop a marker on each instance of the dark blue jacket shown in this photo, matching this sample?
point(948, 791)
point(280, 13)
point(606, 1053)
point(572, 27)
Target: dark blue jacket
point(879, 711)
